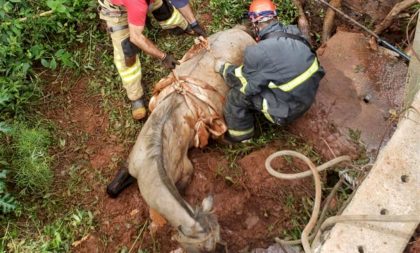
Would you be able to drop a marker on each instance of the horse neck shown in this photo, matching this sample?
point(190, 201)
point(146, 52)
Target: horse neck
point(168, 143)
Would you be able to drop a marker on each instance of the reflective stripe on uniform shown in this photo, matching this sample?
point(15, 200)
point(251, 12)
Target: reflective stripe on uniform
point(286, 87)
point(265, 110)
point(239, 75)
point(128, 74)
point(175, 20)
point(225, 67)
point(238, 133)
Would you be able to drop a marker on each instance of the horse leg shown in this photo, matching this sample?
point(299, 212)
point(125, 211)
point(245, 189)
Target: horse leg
point(121, 181)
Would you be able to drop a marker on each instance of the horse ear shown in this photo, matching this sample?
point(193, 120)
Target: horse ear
point(207, 204)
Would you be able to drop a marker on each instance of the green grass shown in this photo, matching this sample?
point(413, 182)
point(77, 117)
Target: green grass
point(39, 224)
point(227, 13)
point(32, 162)
point(56, 236)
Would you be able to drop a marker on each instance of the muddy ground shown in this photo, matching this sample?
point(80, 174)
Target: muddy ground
point(251, 206)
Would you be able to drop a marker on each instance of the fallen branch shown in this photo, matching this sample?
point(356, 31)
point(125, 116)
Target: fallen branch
point(42, 14)
point(45, 13)
point(397, 9)
point(303, 23)
point(329, 21)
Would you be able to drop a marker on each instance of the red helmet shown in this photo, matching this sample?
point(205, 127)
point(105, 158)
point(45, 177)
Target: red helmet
point(262, 10)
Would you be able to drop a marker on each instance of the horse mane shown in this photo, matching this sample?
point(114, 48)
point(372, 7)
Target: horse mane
point(155, 145)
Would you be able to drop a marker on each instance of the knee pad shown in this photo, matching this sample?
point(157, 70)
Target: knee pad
point(130, 52)
point(164, 12)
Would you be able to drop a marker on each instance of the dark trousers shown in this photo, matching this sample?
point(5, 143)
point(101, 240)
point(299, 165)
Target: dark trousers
point(239, 116)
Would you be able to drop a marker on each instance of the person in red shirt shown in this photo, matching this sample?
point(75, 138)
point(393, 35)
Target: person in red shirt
point(125, 21)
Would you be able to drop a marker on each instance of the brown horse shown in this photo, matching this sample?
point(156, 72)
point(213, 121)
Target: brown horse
point(159, 159)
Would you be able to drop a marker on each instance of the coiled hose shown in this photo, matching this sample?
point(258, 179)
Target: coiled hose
point(314, 171)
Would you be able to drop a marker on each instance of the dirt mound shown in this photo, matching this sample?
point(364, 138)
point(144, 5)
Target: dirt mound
point(376, 10)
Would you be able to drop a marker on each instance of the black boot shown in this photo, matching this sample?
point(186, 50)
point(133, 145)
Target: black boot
point(121, 181)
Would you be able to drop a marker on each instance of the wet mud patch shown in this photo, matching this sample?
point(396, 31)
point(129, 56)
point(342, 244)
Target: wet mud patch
point(357, 100)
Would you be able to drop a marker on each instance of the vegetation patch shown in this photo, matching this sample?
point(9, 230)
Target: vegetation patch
point(31, 162)
point(56, 236)
point(30, 41)
point(227, 13)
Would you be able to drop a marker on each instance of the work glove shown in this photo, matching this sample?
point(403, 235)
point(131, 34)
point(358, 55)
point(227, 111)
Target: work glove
point(218, 64)
point(169, 61)
point(196, 27)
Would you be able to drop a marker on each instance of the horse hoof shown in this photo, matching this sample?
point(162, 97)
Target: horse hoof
point(121, 181)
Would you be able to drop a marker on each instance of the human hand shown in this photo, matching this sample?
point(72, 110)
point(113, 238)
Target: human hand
point(169, 61)
point(198, 30)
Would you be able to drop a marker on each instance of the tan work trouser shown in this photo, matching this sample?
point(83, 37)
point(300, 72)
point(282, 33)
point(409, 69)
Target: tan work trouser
point(130, 69)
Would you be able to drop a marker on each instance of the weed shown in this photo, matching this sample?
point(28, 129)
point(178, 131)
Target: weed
point(227, 13)
point(287, 11)
point(32, 162)
point(355, 135)
point(7, 202)
point(54, 237)
point(23, 51)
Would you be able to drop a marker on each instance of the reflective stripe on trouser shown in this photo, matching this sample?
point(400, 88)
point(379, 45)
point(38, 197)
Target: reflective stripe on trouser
point(264, 110)
point(130, 75)
point(175, 20)
point(239, 116)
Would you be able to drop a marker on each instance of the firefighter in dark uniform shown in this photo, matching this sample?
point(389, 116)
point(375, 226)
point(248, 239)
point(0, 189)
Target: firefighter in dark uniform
point(279, 77)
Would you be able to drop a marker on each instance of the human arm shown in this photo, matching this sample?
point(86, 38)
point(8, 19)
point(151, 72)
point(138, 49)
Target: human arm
point(246, 78)
point(185, 9)
point(137, 38)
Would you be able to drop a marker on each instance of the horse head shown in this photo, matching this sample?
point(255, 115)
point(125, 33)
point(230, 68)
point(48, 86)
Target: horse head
point(204, 235)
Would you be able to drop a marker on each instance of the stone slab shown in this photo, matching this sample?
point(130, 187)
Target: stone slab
point(392, 187)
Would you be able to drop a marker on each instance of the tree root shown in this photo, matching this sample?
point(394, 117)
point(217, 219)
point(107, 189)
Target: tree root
point(397, 9)
point(329, 21)
point(303, 23)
